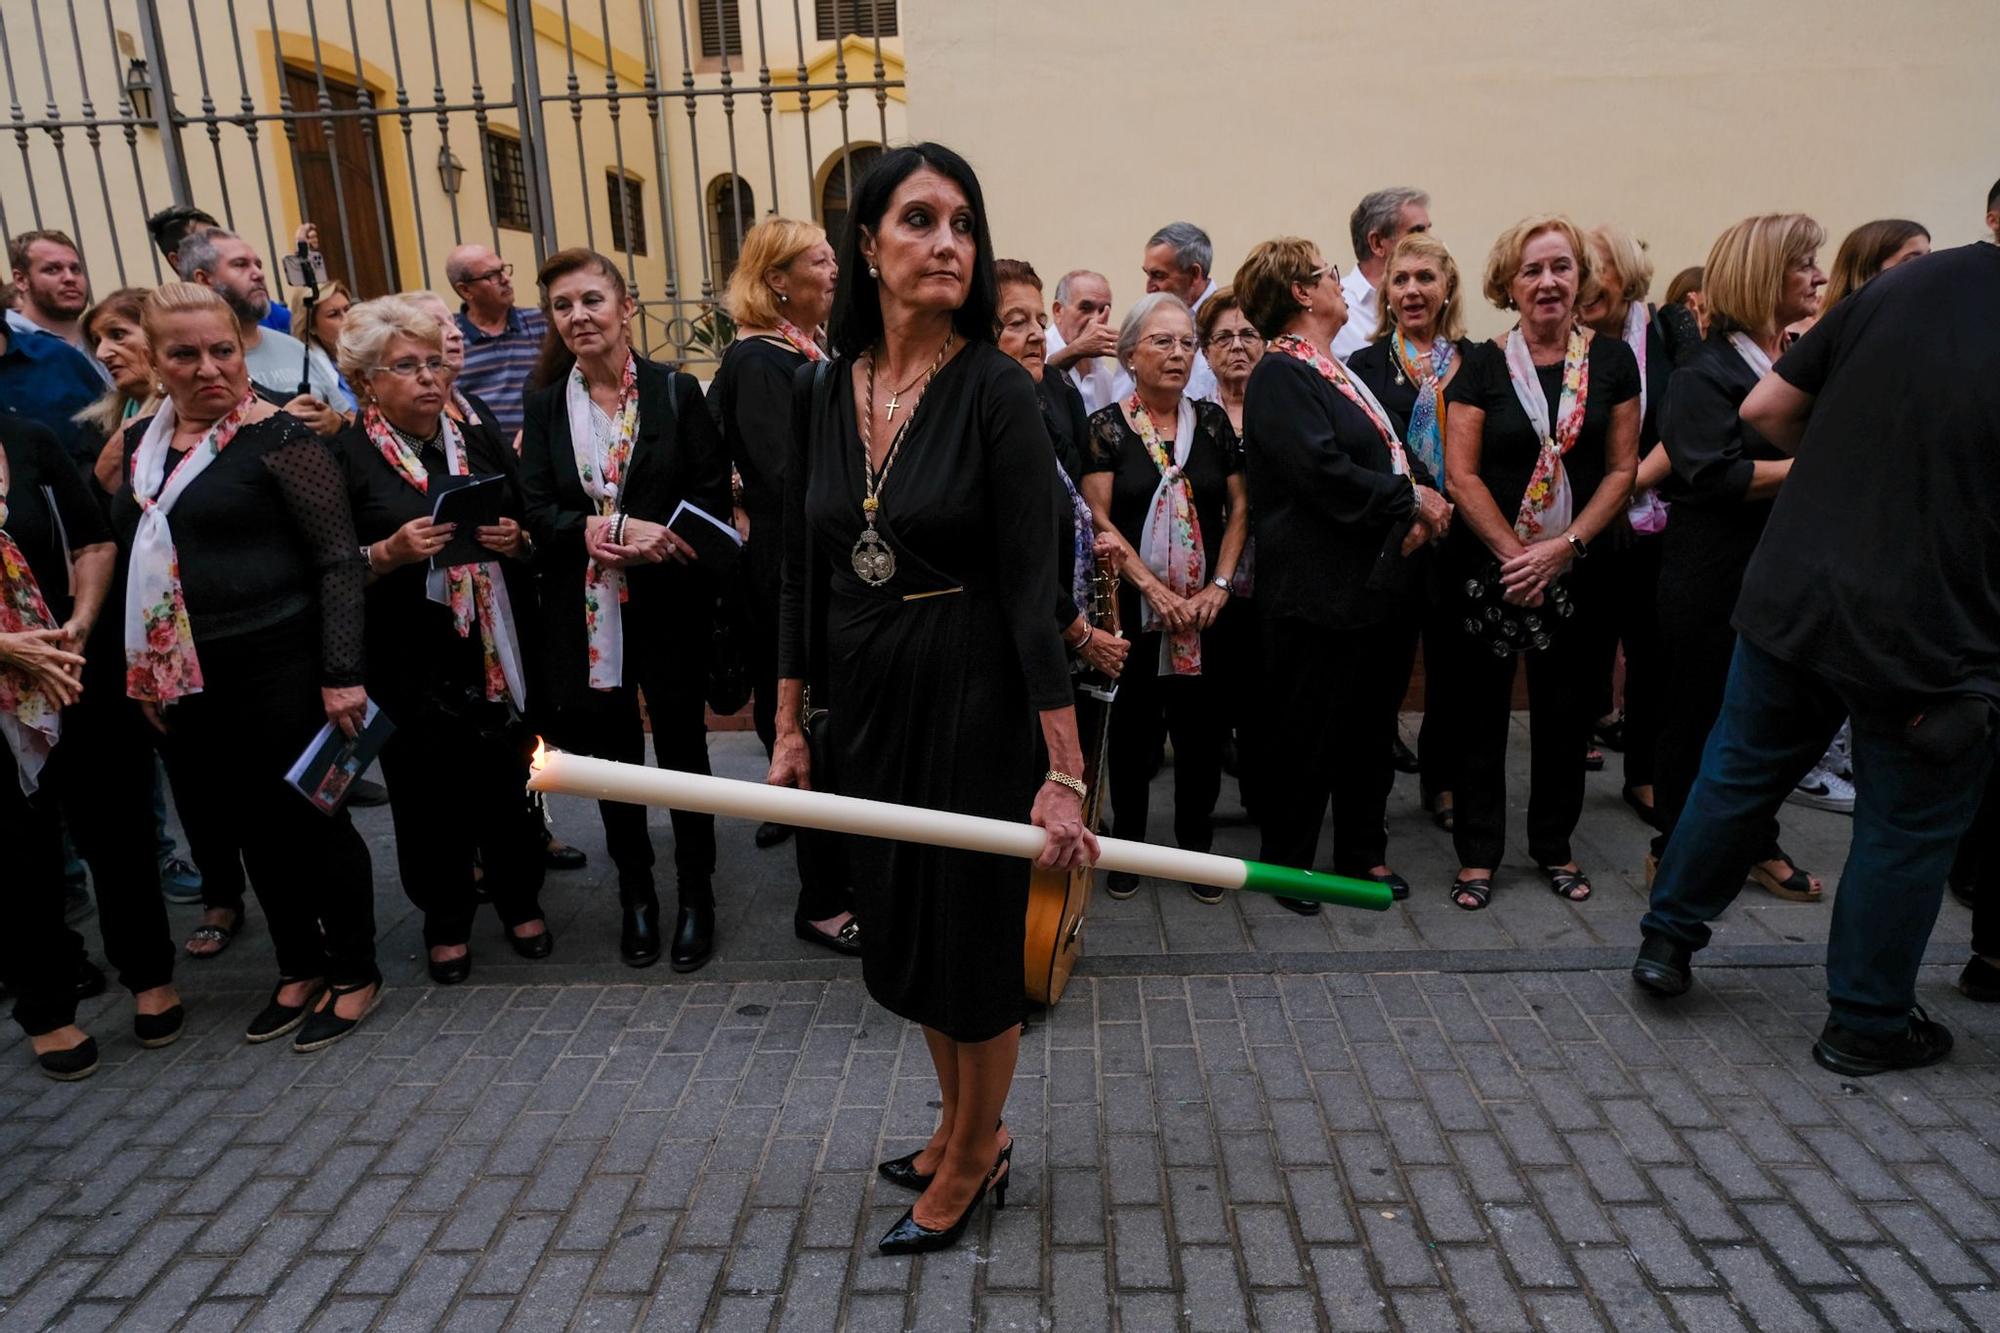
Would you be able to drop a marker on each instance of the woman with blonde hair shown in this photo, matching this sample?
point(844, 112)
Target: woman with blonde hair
point(321, 335)
point(1871, 249)
point(1762, 275)
point(1539, 453)
point(114, 331)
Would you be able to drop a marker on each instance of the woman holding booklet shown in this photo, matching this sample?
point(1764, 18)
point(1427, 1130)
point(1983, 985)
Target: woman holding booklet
point(611, 445)
point(448, 644)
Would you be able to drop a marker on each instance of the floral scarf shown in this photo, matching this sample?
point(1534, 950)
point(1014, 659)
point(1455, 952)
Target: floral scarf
point(30, 720)
point(1171, 544)
point(1428, 370)
point(1546, 504)
point(801, 340)
point(471, 591)
point(600, 465)
point(160, 661)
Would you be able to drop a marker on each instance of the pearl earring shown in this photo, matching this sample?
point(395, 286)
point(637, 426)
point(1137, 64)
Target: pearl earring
point(874, 272)
point(784, 299)
point(1308, 307)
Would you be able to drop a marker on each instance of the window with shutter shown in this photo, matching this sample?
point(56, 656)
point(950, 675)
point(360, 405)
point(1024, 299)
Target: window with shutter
point(628, 213)
point(506, 179)
point(865, 18)
point(721, 28)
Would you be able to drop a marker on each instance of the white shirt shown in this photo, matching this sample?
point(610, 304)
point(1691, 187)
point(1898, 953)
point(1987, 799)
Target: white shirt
point(1106, 381)
point(1363, 311)
point(1201, 380)
point(278, 361)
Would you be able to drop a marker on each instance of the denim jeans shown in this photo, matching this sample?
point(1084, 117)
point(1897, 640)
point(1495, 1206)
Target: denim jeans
point(1909, 811)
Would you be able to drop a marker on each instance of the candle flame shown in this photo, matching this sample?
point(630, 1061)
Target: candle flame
point(540, 757)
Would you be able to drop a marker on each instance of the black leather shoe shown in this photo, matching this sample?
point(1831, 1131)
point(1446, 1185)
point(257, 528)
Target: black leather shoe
point(275, 1019)
point(1303, 906)
point(1979, 981)
point(1403, 760)
point(89, 980)
point(162, 1029)
point(1859, 1054)
point(452, 970)
point(533, 946)
point(564, 858)
point(770, 835)
point(1399, 888)
point(639, 936)
point(910, 1236)
point(694, 937)
point(1664, 966)
point(79, 1061)
point(846, 940)
point(902, 1172)
point(324, 1026)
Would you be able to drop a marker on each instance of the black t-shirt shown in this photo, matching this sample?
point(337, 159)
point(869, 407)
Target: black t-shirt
point(50, 512)
point(751, 401)
point(1510, 445)
point(1880, 565)
point(1213, 458)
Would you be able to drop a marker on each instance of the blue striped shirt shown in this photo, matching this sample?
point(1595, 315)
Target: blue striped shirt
point(497, 365)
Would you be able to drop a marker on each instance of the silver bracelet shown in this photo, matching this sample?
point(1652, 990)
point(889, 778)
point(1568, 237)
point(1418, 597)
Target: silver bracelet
point(1065, 780)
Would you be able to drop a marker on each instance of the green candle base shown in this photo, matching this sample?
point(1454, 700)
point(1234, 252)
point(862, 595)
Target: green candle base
point(1286, 882)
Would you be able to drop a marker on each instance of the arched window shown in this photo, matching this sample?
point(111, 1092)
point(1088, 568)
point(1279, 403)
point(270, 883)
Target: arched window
point(833, 186)
point(732, 212)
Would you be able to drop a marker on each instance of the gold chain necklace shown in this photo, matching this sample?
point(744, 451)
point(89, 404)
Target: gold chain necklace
point(874, 563)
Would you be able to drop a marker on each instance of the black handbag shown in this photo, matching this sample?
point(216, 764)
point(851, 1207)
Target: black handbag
point(1504, 629)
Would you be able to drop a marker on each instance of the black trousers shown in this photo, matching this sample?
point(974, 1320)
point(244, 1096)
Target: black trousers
point(606, 724)
point(1151, 707)
point(1560, 700)
point(227, 750)
point(1238, 645)
point(455, 793)
point(1439, 738)
point(1978, 868)
point(1697, 646)
point(763, 558)
point(1337, 691)
point(98, 781)
point(1631, 575)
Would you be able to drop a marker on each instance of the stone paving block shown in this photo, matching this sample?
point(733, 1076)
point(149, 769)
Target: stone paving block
point(1484, 1291)
point(1968, 1217)
point(1755, 1284)
point(1487, 1170)
point(1620, 1288)
point(1723, 1161)
point(1402, 1256)
point(1212, 1291)
point(1347, 1289)
point(344, 1316)
point(298, 1295)
point(1919, 1236)
point(1661, 1249)
point(1531, 1251)
point(1077, 1293)
point(1706, 1313)
point(1427, 1312)
point(1447, 1215)
point(1271, 1254)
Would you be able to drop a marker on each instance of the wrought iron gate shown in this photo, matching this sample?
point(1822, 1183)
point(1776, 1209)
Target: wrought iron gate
point(405, 127)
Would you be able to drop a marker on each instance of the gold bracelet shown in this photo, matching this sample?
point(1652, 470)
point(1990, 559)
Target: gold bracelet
point(1065, 780)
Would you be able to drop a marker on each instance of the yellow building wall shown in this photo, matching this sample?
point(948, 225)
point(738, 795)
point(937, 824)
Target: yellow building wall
point(1093, 123)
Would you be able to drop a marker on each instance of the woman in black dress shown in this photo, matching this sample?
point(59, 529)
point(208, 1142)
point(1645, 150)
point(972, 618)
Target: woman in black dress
point(72, 748)
point(778, 296)
point(611, 443)
point(1417, 352)
point(243, 637)
point(1164, 476)
point(918, 577)
point(1762, 275)
point(1539, 453)
point(447, 649)
point(1339, 506)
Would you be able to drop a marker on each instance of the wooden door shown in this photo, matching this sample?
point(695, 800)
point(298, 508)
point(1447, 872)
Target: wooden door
point(351, 237)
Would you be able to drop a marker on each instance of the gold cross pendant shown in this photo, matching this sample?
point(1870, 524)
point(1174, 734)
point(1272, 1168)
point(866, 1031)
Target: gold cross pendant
point(893, 405)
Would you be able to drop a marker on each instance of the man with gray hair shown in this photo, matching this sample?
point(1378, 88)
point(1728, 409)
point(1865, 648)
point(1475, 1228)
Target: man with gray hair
point(1377, 223)
point(502, 340)
point(226, 263)
point(1178, 260)
point(1082, 344)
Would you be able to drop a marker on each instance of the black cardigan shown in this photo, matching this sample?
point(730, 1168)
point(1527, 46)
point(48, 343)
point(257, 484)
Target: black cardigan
point(678, 456)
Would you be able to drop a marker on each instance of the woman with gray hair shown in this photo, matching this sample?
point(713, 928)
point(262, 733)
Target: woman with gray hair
point(1163, 474)
point(446, 657)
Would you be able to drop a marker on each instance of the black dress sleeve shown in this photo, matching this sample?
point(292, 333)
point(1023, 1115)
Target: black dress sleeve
point(760, 401)
point(83, 519)
point(1295, 431)
point(313, 490)
point(706, 457)
point(1704, 437)
point(798, 581)
point(1614, 371)
point(1473, 384)
point(551, 524)
point(1021, 529)
point(1214, 421)
point(1807, 362)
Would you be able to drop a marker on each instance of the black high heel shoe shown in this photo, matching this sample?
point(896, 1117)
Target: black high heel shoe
point(902, 1171)
point(910, 1236)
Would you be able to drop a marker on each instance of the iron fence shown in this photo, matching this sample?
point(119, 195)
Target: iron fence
point(405, 127)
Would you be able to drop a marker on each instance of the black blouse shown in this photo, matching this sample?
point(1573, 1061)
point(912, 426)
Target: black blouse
point(50, 511)
point(1510, 444)
point(265, 534)
point(1375, 366)
point(751, 399)
point(413, 646)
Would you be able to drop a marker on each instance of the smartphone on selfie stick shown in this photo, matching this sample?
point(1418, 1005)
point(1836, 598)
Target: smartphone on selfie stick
point(306, 267)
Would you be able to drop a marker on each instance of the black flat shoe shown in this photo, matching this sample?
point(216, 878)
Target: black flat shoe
point(639, 933)
point(1120, 883)
point(452, 970)
point(564, 858)
point(324, 1026)
point(769, 834)
point(89, 980)
point(1979, 981)
point(846, 940)
point(1402, 759)
point(162, 1029)
point(1303, 906)
point(79, 1061)
point(694, 938)
point(532, 946)
point(1206, 894)
point(910, 1236)
point(1859, 1054)
point(1664, 966)
point(275, 1020)
point(1399, 888)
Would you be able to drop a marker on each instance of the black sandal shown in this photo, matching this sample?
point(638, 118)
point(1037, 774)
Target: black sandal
point(324, 1026)
point(220, 936)
point(1565, 883)
point(1479, 890)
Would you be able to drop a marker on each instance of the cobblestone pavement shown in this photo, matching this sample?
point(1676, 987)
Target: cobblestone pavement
point(1405, 1136)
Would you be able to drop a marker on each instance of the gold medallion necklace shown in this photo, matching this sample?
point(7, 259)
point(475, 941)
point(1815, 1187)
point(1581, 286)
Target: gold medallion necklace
point(874, 563)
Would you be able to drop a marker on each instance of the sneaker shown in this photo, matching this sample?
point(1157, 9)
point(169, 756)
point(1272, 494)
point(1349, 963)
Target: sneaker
point(180, 882)
point(1859, 1054)
point(1206, 893)
point(1839, 758)
point(1120, 884)
point(1822, 790)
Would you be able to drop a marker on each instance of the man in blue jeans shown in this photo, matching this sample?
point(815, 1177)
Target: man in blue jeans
point(1874, 593)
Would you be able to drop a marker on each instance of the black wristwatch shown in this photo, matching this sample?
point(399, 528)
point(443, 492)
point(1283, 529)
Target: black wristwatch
point(1576, 544)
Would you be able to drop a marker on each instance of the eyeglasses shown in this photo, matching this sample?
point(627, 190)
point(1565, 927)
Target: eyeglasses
point(504, 271)
point(1323, 271)
point(410, 367)
point(1236, 338)
point(1166, 342)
